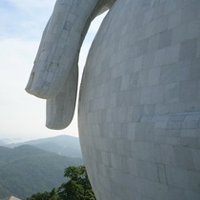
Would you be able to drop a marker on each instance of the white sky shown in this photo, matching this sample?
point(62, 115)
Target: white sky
point(22, 116)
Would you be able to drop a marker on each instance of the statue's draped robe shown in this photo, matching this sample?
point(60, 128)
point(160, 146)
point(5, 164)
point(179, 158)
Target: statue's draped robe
point(139, 119)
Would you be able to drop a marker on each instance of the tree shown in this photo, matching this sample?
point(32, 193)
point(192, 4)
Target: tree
point(45, 196)
point(78, 187)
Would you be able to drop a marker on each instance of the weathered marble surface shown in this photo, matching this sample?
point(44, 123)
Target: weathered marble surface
point(139, 106)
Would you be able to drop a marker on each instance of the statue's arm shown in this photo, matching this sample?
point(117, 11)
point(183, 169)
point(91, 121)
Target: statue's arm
point(55, 72)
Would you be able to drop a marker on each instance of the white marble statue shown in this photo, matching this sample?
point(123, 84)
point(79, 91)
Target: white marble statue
point(139, 104)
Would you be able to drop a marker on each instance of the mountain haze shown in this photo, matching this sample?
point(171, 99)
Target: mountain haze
point(63, 145)
point(26, 170)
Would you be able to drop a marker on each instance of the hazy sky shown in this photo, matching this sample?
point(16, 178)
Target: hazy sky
point(22, 116)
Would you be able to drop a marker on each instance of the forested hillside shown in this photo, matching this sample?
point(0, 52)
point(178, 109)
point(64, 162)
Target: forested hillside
point(26, 170)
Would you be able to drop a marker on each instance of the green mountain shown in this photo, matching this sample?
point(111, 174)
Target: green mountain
point(26, 170)
point(63, 145)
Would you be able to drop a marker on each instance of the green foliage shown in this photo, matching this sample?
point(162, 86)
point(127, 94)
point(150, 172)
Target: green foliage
point(77, 188)
point(45, 196)
point(71, 191)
